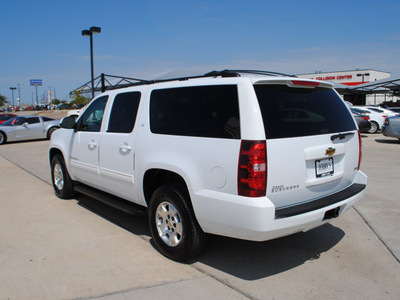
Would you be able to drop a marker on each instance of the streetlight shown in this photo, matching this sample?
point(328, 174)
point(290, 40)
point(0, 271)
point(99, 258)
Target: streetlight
point(363, 74)
point(12, 90)
point(90, 33)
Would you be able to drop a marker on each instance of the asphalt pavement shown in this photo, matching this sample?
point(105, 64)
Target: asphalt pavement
point(82, 249)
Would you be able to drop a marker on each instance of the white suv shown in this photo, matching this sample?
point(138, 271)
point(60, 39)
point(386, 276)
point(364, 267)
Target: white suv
point(249, 155)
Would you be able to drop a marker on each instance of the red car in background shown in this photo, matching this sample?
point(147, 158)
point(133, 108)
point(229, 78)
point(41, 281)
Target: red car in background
point(5, 117)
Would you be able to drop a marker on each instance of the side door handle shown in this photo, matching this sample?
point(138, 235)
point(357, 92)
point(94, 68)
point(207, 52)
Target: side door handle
point(92, 145)
point(125, 148)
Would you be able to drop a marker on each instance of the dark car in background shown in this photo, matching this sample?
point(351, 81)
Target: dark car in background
point(394, 109)
point(363, 122)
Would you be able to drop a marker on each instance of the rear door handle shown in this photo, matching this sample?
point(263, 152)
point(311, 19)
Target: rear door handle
point(125, 148)
point(92, 145)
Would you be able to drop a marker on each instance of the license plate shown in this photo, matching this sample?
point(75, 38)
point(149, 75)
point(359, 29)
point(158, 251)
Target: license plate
point(324, 167)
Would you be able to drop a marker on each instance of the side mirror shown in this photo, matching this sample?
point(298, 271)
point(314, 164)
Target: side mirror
point(68, 122)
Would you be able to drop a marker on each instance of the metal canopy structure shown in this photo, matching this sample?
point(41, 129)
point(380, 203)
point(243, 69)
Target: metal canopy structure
point(109, 82)
point(379, 86)
point(382, 86)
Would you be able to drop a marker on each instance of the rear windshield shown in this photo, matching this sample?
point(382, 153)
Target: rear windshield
point(293, 112)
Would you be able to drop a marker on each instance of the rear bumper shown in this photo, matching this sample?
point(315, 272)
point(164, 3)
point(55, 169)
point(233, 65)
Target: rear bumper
point(257, 219)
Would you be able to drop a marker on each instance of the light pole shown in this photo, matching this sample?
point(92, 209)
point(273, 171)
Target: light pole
point(90, 33)
point(12, 90)
point(363, 74)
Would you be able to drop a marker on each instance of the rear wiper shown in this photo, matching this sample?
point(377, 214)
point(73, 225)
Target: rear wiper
point(341, 136)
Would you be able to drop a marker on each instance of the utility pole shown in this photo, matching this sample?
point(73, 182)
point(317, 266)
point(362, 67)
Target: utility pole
point(19, 96)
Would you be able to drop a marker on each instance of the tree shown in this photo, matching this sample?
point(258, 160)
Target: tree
point(56, 102)
point(78, 98)
point(3, 100)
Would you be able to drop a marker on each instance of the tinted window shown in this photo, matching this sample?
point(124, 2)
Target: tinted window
point(5, 117)
point(293, 112)
point(376, 109)
point(14, 121)
point(46, 119)
point(93, 115)
point(32, 120)
point(204, 111)
point(123, 113)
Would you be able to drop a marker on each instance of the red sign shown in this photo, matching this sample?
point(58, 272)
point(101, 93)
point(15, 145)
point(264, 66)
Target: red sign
point(339, 77)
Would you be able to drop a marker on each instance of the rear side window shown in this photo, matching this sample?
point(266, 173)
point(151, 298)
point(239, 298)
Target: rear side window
point(294, 112)
point(202, 111)
point(123, 113)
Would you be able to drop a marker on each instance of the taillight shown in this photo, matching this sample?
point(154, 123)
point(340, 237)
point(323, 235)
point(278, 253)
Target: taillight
point(384, 116)
point(386, 123)
point(359, 150)
point(252, 169)
point(365, 118)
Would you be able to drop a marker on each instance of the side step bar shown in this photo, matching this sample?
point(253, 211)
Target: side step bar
point(111, 200)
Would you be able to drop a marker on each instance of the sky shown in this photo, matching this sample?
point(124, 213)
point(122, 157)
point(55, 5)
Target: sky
point(148, 39)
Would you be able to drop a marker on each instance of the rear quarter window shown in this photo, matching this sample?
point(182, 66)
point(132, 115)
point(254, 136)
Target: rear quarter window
point(202, 111)
point(294, 112)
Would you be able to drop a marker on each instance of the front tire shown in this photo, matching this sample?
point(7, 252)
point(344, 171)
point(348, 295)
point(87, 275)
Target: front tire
point(173, 226)
point(50, 132)
point(62, 183)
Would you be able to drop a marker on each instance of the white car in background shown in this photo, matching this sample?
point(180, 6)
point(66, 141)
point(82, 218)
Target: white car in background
point(376, 118)
point(384, 111)
point(76, 112)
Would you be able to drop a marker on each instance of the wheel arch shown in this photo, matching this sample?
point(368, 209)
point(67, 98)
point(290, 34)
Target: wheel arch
point(53, 152)
point(155, 178)
point(5, 136)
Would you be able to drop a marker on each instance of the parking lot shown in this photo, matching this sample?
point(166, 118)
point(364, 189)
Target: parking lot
point(82, 249)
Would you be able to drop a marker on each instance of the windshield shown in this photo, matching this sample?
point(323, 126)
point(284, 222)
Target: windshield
point(14, 121)
point(294, 112)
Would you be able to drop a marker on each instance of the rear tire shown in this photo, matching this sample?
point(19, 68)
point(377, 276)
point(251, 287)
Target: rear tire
point(374, 127)
point(173, 226)
point(62, 183)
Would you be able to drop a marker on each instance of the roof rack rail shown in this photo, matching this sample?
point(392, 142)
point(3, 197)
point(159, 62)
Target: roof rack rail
point(103, 82)
point(257, 72)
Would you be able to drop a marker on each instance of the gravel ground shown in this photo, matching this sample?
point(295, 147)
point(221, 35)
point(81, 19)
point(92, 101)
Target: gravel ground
point(55, 114)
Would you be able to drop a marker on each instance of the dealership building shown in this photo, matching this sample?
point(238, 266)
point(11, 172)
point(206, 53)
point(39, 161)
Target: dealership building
point(361, 86)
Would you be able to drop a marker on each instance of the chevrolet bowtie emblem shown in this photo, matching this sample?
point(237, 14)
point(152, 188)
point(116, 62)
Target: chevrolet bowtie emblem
point(330, 151)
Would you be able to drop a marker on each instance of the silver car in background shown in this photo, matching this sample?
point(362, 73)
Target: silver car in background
point(391, 127)
point(27, 128)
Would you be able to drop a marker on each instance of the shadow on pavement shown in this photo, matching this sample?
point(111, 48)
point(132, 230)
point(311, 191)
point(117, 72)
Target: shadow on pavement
point(394, 141)
point(136, 224)
point(254, 260)
point(243, 259)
